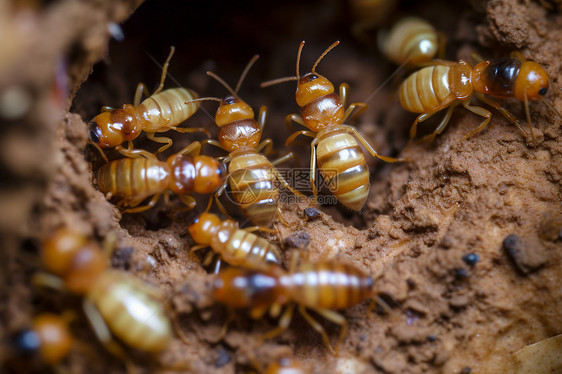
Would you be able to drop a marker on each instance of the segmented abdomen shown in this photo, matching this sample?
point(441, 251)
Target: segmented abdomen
point(342, 165)
point(425, 89)
point(131, 314)
point(242, 248)
point(252, 183)
point(167, 109)
point(411, 40)
point(329, 285)
point(133, 179)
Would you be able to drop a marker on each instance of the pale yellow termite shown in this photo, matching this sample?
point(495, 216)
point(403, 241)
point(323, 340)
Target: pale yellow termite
point(162, 111)
point(238, 247)
point(335, 148)
point(411, 41)
point(115, 302)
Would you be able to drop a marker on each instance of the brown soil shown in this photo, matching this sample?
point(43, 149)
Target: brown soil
point(421, 218)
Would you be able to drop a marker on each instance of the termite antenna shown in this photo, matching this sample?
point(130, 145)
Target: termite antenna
point(276, 81)
point(246, 70)
point(551, 107)
point(301, 46)
point(324, 54)
point(376, 91)
point(203, 99)
point(221, 81)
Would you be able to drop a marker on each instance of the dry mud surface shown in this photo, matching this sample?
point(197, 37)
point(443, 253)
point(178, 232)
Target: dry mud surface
point(493, 195)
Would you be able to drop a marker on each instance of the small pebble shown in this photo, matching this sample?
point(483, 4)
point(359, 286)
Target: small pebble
point(526, 256)
point(311, 213)
point(223, 357)
point(431, 338)
point(461, 273)
point(121, 258)
point(466, 370)
point(471, 259)
point(299, 240)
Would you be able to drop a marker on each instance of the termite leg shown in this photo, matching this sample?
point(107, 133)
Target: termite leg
point(284, 322)
point(160, 139)
point(189, 201)
point(370, 148)
point(212, 142)
point(142, 208)
point(337, 319)
point(267, 145)
point(141, 89)
point(293, 118)
point(104, 336)
point(316, 326)
point(441, 127)
point(510, 117)
point(344, 93)
point(183, 130)
point(262, 117)
point(193, 149)
point(291, 138)
point(134, 153)
point(312, 176)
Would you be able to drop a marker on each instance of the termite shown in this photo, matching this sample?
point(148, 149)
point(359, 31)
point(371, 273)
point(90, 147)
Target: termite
point(252, 176)
point(340, 159)
point(48, 339)
point(319, 286)
point(447, 84)
point(238, 247)
point(162, 111)
point(114, 301)
point(135, 179)
point(411, 41)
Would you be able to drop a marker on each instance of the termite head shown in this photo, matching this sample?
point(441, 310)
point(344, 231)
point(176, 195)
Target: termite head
point(76, 260)
point(311, 86)
point(532, 82)
point(200, 174)
point(203, 228)
point(232, 109)
point(49, 338)
point(110, 129)
point(243, 288)
point(237, 126)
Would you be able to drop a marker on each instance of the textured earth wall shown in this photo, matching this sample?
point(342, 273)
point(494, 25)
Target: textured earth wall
point(495, 195)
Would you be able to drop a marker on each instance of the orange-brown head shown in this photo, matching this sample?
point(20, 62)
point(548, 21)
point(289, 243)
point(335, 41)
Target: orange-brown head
point(532, 82)
point(76, 260)
point(510, 77)
point(204, 227)
point(49, 338)
point(112, 128)
point(243, 288)
point(237, 126)
point(200, 174)
point(312, 86)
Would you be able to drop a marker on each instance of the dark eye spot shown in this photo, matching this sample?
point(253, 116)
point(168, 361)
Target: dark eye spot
point(230, 100)
point(95, 132)
point(308, 78)
point(542, 91)
point(26, 343)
